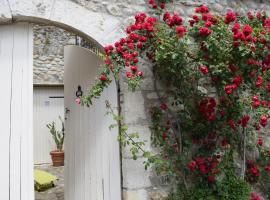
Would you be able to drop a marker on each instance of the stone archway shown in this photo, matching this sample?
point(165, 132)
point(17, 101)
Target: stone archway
point(99, 29)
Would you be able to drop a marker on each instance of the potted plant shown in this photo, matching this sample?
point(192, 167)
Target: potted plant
point(58, 137)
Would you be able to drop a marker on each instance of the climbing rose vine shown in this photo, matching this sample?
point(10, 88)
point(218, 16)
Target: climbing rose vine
point(212, 124)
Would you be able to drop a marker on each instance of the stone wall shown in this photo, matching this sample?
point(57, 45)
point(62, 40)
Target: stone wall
point(138, 184)
point(49, 43)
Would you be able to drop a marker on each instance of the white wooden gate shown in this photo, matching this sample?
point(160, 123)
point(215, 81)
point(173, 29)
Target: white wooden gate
point(92, 161)
point(48, 106)
point(16, 103)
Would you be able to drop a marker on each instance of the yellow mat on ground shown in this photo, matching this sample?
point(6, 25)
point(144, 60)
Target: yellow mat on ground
point(43, 180)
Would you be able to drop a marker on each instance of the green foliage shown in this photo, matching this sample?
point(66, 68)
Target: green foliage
point(193, 194)
point(128, 140)
point(215, 75)
point(230, 188)
point(58, 135)
point(233, 188)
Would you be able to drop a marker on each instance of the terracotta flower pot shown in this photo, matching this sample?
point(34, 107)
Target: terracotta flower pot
point(58, 158)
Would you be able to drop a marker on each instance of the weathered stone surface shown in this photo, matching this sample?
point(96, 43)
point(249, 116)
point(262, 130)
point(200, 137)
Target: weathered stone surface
point(133, 107)
point(105, 21)
point(48, 62)
point(135, 195)
point(5, 12)
point(135, 175)
point(26, 8)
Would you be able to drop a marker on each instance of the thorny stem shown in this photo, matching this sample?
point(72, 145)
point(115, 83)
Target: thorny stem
point(109, 107)
point(170, 113)
point(178, 140)
point(244, 154)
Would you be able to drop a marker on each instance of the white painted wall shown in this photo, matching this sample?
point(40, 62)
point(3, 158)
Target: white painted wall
point(16, 103)
point(92, 159)
point(47, 108)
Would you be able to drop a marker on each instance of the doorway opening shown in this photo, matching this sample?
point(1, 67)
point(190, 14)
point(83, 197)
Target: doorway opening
point(92, 157)
point(50, 106)
point(48, 102)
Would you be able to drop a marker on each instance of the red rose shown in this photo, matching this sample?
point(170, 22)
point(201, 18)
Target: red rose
point(140, 45)
point(164, 136)
point(128, 74)
point(236, 28)
point(103, 77)
point(204, 69)
point(247, 30)
point(203, 169)
point(139, 73)
point(192, 166)
point(211, 179)
point(181, 31)
point(154, 6)
point(259, 82)
point(255, 98)
point(250, 16)
point(256, 104)
point(135, 53)
point(255, 196)
point(268, 87)
point(245, 120)
point(208, 24)
point(222, 113)
point(254, 170)
point(237, 80)
point(200, 160)
point(166, 16)
point(135, 60)
point(230, 88)
point(163, 106)
point(260, 141)
point(263, 120)
point(134, 68)
point(196, 18)
point(230, 17)
point(224, 143)
point(131, 46)
point(162, 5)
point(143, 39)
point(267, 168)
point(175, 20)
point(202, 9)
point(267, 23)
point(108, 61)
point(204, 31)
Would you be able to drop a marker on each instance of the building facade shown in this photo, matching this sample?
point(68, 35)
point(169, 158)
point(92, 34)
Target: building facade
point(104, 22)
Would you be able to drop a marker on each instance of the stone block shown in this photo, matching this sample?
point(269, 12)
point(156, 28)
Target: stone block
point(133, 107)
point(35, 9)
point(134, 174)
point(5, 13)
point(135, 195)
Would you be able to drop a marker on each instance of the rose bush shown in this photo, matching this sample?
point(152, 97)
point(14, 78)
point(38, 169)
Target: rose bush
point(211, 144)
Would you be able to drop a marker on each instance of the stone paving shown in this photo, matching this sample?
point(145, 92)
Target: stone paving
point(56, 193)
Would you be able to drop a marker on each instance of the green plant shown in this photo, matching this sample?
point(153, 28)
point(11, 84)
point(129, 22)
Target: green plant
point(233, 188)
point(58, 135)
point(215, 71)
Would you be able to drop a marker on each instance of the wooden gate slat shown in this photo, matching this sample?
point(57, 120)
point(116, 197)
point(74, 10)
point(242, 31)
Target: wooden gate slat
point(16, 50)
point(92, 143)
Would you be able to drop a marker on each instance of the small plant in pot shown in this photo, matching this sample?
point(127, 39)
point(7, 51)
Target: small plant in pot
point(58, 137)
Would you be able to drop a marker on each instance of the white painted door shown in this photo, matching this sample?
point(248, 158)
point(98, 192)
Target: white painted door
point(16, 103)
point(48, 106)
point(92, 161)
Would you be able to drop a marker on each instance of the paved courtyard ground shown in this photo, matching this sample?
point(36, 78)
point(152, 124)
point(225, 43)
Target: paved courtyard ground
point(56, 193)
